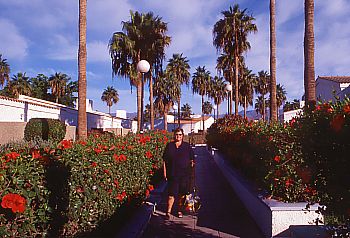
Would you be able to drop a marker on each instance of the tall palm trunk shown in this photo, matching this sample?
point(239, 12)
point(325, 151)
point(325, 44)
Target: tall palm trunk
point(151, 99)
point(217, 111)
point(230, 96)
point(165, 118)
point(264, 110)
point(236, 85)
point(82, 118)
point(309, 48)
point(245, 107)
point(273, 100)
point(178, 110)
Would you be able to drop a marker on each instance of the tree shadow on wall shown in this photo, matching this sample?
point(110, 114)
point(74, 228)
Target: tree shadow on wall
point(57, 177)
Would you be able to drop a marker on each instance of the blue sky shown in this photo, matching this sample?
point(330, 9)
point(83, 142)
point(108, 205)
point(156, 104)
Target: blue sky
point(40, 36)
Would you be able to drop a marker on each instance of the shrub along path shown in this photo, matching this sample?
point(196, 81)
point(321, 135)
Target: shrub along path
point(221, 214)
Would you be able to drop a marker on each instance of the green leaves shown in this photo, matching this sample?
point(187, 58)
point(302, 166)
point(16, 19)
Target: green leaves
point(71, 188)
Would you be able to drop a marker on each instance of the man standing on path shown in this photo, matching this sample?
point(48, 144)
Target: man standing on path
point(178, 161)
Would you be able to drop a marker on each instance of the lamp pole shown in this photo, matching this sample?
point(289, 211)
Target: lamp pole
point(228, 88)
point(142, 67)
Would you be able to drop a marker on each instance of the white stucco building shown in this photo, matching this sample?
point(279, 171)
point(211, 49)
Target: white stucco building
point(24, 108)
point(193, 124)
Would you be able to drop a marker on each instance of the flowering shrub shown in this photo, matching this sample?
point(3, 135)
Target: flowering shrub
point(304, 160)
point(67, 189)
point(268, 155)
point(324, 135)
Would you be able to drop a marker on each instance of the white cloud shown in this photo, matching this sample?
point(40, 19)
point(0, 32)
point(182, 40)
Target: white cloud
point(62, 48)
point(97, 51)
point(286, 10)
point(12, 44)
point(106, 16)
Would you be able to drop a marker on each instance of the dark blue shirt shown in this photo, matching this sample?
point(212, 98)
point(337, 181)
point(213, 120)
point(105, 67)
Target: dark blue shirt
point(178, 160)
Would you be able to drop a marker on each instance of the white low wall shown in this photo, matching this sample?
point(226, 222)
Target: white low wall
point(272, 217)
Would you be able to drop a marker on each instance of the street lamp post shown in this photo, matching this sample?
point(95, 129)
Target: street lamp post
point(175, 109)
point(228, 88)
point(142, 67)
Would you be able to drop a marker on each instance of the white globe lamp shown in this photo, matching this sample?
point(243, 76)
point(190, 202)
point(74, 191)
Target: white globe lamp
point(143, 66)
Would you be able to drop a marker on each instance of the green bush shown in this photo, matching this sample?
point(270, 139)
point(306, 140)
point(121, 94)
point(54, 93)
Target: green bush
point(306, 159)
point(74, 187)
point(45, 128)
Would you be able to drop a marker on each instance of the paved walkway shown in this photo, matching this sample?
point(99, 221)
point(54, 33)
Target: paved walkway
point(221, 214)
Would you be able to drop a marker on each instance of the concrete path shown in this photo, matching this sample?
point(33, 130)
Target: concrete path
point(221, 214)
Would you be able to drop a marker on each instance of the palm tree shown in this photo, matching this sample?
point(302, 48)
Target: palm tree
point(273, 102)
point(166, 93)
point(230, 35)
point(186, 111)
point(201, 84)
point(110, 96)
point(218, 92)
point(259, 106)
point(40, 86)
point(156, 53)
point(4, 71)
point(262, 87)
point(143, 37)
point(224, 64)
point(246, 88)
point(179, 68)
point(58, 82)
point(19, 85)
point(207, 108)
point(82, 118)
point(69, 98)
point(280, 96)
point(309, 51)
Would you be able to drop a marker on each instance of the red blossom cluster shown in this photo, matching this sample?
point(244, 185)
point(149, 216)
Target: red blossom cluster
point(324, 107)
point(277, 159)
point(337, 122)
point(36, 154)
point(149, 154)
point(121, 196)
point(65, 144)
point(15, 202)
point(346, 108)
point(119, 158)
point(143, 139)
point(11, 156)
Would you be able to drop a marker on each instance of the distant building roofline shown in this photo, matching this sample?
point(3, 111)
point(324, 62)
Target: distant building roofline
point(337, 79)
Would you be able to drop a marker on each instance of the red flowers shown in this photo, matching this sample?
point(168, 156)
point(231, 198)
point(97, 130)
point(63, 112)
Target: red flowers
point(150, 187)
point(277, 159)
point(337, 122)
point(289, 182)
point(97, 150)
point(11, 156)
point(66, 144)
point(119, 158)
point(36, 154)
point(93, 164)
point(149, 154)
point(121, 196)
point(347, 109)
point(16, 202)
